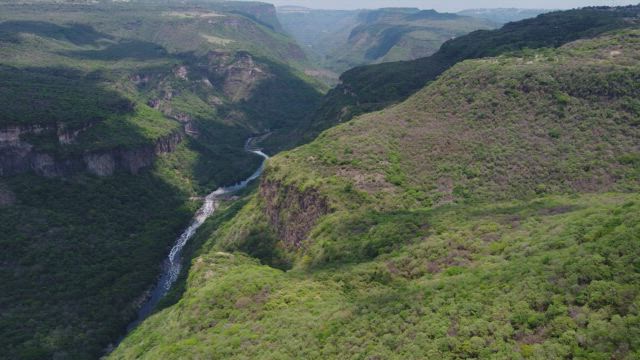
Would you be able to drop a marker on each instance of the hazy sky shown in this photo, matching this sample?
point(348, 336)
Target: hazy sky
point(448, 5)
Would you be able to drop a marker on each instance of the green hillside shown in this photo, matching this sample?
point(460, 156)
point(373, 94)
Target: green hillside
point(369, 88)
point(476, 285)
point(114, 119)
point(483, 202)
point(492, 215)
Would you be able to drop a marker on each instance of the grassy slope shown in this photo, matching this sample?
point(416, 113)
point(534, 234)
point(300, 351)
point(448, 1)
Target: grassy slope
point(390, 275)
point(54, 86)
point(370, 88)
point(504, 127)
point(492, 281)
point(80, 251)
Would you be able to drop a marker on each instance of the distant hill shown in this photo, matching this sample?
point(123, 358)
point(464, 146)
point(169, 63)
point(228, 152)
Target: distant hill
point(373, 87)
point(503, 15)
point(340, 40)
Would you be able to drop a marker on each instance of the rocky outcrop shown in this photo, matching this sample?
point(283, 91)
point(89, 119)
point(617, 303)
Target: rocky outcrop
point(130, 160)
point(18, 157)
point(181, 72)
point(13, 135)
point(291, 212)
point(140, 79)
point(22, 158)
point(239, 73)
point(191, 129)
point(67, 135)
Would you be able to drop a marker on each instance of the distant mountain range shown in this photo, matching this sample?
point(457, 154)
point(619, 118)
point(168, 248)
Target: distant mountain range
point(340, 40)
point(503, 15)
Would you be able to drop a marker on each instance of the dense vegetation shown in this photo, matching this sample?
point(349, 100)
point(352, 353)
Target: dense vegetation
point(126, 60)
point(75, 254)
point(504, 127)
point(494, 214)
point(56, 95)
point(549, 279)
point(339, 40)
point(374, 87)
point(80, 251)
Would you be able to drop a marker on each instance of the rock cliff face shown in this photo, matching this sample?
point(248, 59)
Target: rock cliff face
point(11, 135)
point(68, 135)
point(239, 73)
point(130, 160)
point(223, 78)
point(18, 156)
point(292, 213)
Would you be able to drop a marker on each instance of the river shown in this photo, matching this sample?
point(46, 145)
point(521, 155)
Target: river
point(173, 263)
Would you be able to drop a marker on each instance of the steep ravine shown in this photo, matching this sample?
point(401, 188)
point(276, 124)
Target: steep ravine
point(173, 263)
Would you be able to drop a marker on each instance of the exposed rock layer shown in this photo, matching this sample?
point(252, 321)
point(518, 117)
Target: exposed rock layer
point(12, 135)
point(291, 212)
point(18, 156)
point(238, 73)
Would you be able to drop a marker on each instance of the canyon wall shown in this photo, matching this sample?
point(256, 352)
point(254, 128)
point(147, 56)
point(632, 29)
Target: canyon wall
point(18, 156)
point(292, 212)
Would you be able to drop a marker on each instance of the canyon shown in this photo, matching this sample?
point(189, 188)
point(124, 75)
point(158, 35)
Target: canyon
point(478, 199)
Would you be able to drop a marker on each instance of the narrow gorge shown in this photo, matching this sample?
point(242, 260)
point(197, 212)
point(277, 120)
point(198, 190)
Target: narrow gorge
point(438, 185)
point(172, 265)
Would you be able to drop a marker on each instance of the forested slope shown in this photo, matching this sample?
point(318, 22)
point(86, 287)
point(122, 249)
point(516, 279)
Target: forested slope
point(493, 214)
point(369, 88)
point(114, 118)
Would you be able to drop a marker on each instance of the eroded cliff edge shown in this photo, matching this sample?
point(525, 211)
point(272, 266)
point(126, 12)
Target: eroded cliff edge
point(19, 156)
point(291, 212)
